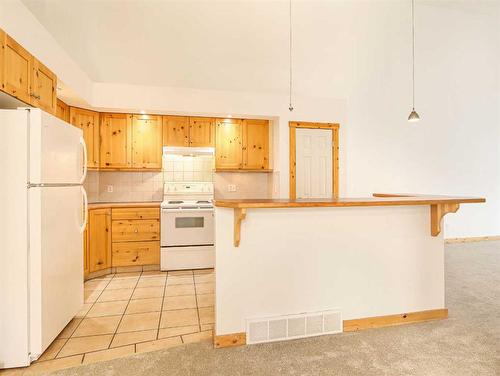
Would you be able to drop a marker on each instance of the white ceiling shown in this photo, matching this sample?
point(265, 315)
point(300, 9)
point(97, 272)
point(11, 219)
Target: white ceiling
point(198, 44)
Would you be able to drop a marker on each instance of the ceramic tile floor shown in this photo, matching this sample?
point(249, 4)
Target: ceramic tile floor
point(130, 313)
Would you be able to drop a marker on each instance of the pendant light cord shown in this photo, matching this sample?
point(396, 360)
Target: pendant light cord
point(413, 50)
point(290, 107)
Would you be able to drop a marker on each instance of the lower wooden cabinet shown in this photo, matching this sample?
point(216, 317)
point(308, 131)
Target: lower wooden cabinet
point(99, 243)
point(136, 236)
point(121, 237)
point(136, 253)
point(86, 263)
point(135, 230)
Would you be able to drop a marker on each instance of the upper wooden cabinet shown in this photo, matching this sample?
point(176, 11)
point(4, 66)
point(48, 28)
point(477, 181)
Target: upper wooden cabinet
point(16, 65)
point(188, 131)
point(116, 141)
point(99, 239)
point(44, 87)
point(228, 144)
point(255, 145)
point(24, 77)
point(88, 122)
point(62, 110)
point(175, 130)
point(201, 131)
point(146, 141)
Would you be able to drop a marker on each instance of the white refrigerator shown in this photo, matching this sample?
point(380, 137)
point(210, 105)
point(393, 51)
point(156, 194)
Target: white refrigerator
point(42, 219)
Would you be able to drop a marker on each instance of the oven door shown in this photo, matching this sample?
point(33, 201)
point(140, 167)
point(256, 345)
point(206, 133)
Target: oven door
point(185, 227)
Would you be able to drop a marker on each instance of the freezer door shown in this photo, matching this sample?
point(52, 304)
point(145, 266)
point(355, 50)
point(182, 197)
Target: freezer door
point(56, 262)
point(56, 152)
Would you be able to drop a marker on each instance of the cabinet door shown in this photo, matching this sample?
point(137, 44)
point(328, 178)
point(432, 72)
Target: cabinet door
point(86, 261)
point(16, 69)
point(228, 154)
point(88, 122)
point(146, 141)
point(201, 131)
point(255, 144)
point(99, 239)
point(62, 110)
point(44, 85)
point(116, 141)
point(175, 131)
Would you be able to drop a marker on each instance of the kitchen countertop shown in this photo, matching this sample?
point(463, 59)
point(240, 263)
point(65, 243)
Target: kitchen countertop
point(144, 204)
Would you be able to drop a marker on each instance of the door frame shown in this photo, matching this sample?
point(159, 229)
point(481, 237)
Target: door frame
point(334, 127)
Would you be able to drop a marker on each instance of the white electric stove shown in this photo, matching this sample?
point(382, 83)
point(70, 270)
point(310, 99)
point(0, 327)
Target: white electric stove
point(187, 226)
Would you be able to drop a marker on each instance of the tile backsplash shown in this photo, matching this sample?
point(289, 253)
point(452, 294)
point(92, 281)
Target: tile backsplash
point(125, 186)
point(147, 186)
point(117, 186)
point(188, 168)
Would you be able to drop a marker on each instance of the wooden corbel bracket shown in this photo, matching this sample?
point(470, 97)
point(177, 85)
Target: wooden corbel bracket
point(438, 211)
point(239, 215)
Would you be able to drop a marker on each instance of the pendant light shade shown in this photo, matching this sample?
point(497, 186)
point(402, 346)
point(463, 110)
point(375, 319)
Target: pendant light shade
point(413, 118)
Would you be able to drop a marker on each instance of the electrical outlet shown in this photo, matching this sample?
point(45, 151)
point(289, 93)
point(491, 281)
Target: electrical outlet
point(109, 188)
point(231, 188)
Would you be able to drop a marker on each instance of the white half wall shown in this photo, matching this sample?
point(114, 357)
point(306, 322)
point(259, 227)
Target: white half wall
point(364, 261)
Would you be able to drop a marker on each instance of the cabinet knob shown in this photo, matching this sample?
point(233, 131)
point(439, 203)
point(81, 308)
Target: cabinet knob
point(136, 230)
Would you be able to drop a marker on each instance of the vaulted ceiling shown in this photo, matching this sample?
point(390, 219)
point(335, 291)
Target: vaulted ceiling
point(230, 44)
point(220, 45)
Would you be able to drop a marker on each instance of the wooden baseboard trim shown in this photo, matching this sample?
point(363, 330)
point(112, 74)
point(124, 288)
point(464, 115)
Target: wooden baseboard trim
point(471, 239)
point(391, 320)
point(230, 340)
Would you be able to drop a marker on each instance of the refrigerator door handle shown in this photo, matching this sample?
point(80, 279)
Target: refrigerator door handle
point(86, 209)
point(84, 148)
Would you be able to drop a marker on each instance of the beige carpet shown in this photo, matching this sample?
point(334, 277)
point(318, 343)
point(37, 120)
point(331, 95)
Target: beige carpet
point(468, 343)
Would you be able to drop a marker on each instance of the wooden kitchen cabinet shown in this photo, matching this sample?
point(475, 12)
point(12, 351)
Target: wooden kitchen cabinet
point(99, 228)
point(146, 141)
point(62, 110)
point(136, 236)
point(201, 132)
point(255, 144)
point(88, 122)
point(136, 230)
point(136, 253)
point(16, 65)
point(242, 145)
point(228, 144)
point(116, 141)
point(86, 261)
point(44, 88)
point(175, 131)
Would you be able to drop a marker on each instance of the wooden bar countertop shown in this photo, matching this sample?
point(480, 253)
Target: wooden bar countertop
point(378, 199)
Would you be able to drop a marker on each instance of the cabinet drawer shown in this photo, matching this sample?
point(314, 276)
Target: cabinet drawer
point(136, 213)
point(136, 253)
point(136, 230)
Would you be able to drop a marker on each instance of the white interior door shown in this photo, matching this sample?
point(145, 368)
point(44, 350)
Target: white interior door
point(56, 261)
point(313, 163)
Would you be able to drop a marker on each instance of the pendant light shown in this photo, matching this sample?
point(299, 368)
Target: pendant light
point(290, 106)
point(413, 118)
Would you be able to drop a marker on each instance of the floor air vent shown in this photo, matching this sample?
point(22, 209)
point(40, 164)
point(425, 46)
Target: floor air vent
point(280, 328)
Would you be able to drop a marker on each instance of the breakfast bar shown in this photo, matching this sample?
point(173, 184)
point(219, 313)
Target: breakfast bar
point(289, 269)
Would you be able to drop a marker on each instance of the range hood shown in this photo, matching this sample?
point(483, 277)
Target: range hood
point(188, 151)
